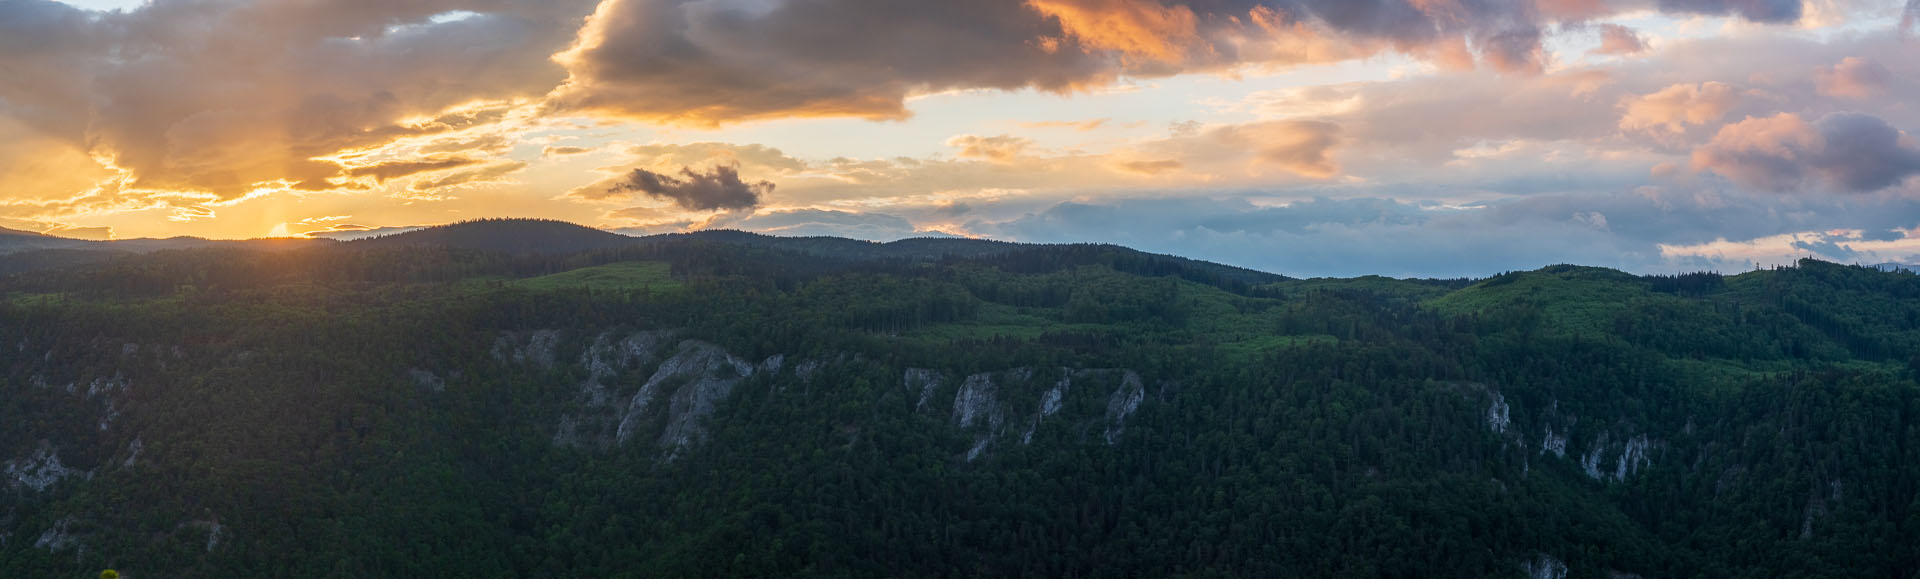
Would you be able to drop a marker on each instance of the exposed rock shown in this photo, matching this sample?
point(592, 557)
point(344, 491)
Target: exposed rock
point(705, 374)
point(568, 433)
point(215, 532)
point(1497, 417)
point(1051, 401)
point(1050, 404)
point(1554, 443)
point(536, 348)
point(1632, 458)
point(605, 359)
point(1817, 507)
point(695, 401)
point(103, 386)
point(979, 446)
point(975, 400)
point(39, 471)
point(923, 382)
point(1590, 462)
point(1122, 404)
point(427, 379)
point(112, 414)
point(133, 452)
point(1544, 566)
point(58, 537)
point(805, 370)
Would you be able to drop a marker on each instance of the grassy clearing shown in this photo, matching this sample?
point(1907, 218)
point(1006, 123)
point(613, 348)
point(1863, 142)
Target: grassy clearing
point(1573, 299)
point(626, 275)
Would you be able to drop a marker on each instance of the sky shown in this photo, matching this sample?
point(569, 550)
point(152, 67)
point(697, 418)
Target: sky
point(1408, 138)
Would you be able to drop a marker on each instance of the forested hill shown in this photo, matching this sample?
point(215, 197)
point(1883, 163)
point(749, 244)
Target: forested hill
point(728, 405)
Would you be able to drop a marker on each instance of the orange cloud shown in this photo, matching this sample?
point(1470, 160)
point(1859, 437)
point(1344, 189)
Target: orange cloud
point(1673, 108)
point(1153, 167)
point(1082, 126)
point(1853, 78)
point(1136, 28)
point(383, 172)
point(999, 149)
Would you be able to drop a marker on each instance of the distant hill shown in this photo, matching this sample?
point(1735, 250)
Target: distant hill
point(22, 251)
point(548, 237)
point(14, 240)
point(1892, 266)
point(506, 235)
point(852, 249)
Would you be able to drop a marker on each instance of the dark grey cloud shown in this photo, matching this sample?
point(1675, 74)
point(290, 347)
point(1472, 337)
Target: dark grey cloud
point(1772, 11)
point(1827, 248)
point(1864, 153)
point(698, 62)
point(1847, 152)
point(717, 189)
point(1619, 40)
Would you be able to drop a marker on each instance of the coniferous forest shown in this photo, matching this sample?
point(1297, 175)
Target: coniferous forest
point(443, 403)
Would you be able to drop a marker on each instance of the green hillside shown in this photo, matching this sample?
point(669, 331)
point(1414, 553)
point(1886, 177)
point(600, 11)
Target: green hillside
point(700, 407)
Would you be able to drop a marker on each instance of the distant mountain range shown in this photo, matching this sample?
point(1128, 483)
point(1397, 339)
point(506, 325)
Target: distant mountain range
point(25, 251)
point(15, 241)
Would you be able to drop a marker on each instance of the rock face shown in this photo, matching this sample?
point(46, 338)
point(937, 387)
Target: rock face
point(678, 387)
point(991, 406)
point(58, 537)
point(40, 471)
point(427, 379)
point(1544, 566)
point(1497, 414)
point(1122, 404)
point(605, 360)
point(921, 382)
point(1612, 455)
point(645, 386)
point(536, 348)
point(707, 375)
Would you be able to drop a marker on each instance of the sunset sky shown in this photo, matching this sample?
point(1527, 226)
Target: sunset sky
point(1303, 137)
